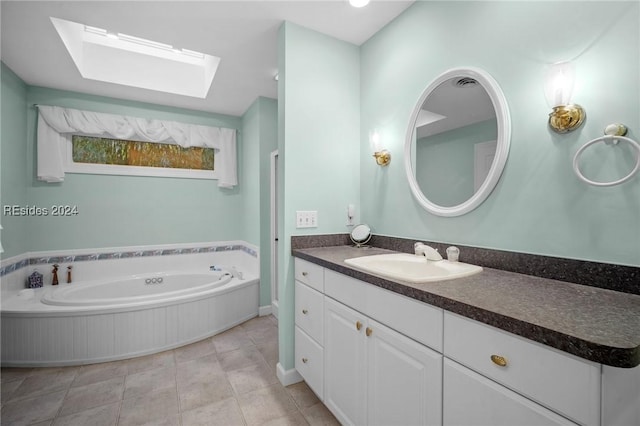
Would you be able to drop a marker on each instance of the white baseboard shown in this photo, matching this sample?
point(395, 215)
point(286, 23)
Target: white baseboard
point(264, 310)
point(288, 377)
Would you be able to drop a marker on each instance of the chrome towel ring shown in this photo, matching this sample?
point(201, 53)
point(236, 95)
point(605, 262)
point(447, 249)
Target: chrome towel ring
point(608, 139)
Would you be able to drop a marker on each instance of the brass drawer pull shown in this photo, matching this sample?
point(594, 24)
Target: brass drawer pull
point(304, 360)
point(358, 325)
point(369, 331)
point(304, 311)
point(499, 360)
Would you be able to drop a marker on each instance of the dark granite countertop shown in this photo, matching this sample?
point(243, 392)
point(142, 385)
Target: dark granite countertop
point(593, 323)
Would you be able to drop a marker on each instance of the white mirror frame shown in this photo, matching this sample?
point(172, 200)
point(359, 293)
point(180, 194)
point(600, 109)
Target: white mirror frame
point(502, 146)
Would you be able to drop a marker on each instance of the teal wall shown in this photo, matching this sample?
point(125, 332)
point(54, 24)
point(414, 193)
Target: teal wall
point(125, 210)
point(129, 210)
point(13, 157)
point(445, 170)
point(249, 172)
point(319, 122)
point(268, 143)
point(539, 206)
point(260, 138)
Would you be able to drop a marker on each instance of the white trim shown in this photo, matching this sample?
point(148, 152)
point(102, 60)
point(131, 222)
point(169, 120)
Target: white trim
point(288, 377)
point(71, 166)
point(263, 311)
point(273, 233)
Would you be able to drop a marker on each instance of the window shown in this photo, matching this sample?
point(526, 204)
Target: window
point(123, 157)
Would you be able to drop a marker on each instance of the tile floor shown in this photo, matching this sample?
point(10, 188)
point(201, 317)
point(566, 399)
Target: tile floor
point(228, 379)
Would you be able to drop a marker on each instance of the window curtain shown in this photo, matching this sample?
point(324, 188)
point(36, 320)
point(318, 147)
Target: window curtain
point(56, 125)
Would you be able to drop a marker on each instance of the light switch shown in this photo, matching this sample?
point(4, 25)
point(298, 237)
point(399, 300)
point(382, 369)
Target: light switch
point(306, 219)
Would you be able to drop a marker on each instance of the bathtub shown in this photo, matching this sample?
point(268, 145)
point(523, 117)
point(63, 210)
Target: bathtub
point(136, 290)
point(118, 317)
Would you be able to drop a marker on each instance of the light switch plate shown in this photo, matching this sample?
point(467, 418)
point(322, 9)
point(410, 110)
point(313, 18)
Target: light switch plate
point(306, 219)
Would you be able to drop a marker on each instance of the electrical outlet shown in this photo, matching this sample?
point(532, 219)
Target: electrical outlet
point(306, 219)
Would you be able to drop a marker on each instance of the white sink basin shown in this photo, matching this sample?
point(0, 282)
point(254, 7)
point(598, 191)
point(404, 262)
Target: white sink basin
point(412, 268)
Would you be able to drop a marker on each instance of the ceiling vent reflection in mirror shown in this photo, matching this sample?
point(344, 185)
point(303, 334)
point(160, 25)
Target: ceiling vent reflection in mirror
point(137, 62)
point(466, 82)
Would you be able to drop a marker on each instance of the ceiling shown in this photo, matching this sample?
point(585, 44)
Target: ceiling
point(243, 33)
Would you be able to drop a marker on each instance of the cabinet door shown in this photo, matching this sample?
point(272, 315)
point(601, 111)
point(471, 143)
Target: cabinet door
point(472, 399)
point(345, 363)
point(404, 379)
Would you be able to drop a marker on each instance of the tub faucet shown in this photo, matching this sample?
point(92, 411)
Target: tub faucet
point(235, 273)
point(429, 252)
point(231, 270)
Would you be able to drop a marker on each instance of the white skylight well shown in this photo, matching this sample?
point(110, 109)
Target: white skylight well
point(138, 62)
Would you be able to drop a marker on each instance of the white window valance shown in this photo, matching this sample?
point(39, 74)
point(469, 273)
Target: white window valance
point(56, 125)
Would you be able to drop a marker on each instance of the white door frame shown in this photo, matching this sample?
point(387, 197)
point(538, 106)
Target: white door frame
point(273, 225)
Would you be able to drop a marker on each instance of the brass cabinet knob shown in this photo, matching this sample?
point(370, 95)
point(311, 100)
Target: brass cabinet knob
point(304, 311)
point(499, 360)
point(368, 331)
point(358, 325)
point(304, 360)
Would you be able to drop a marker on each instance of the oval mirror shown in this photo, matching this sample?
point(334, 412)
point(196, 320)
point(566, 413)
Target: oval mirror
point(457, 141)
point(360, 235)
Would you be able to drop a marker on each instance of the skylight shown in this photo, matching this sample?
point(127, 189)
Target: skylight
point(138, 62)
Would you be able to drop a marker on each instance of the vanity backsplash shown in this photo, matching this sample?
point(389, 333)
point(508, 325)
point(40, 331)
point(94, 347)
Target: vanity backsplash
point(602, 275)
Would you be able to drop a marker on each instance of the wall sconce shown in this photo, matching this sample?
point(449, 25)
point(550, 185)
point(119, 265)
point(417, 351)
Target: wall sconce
point(558, 89)
point(382, 156)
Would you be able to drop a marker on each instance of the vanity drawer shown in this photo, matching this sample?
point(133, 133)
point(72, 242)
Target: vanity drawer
point(310, 274)
point(417, 320)
point(310, 311)
point(564, 383)
point(310, 361)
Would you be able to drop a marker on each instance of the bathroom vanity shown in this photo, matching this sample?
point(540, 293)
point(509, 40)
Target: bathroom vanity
point(498, 348)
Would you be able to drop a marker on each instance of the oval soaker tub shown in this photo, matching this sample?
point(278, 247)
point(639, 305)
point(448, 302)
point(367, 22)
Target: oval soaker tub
point(111, 319)
point(136, 289)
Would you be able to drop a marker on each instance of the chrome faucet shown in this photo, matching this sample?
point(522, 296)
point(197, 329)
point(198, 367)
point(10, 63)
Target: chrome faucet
point(228, 270)
point(235, 273)
point(421, 249)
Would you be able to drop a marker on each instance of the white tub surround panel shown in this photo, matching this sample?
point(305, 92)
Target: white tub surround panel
point(84, 338)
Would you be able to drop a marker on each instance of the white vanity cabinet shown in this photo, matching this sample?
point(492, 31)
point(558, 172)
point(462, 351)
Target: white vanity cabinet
point(309, 324)
point(567, 384)
point(373, 373)
point(377, 376)
point(375, 357)
point(472, 399)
